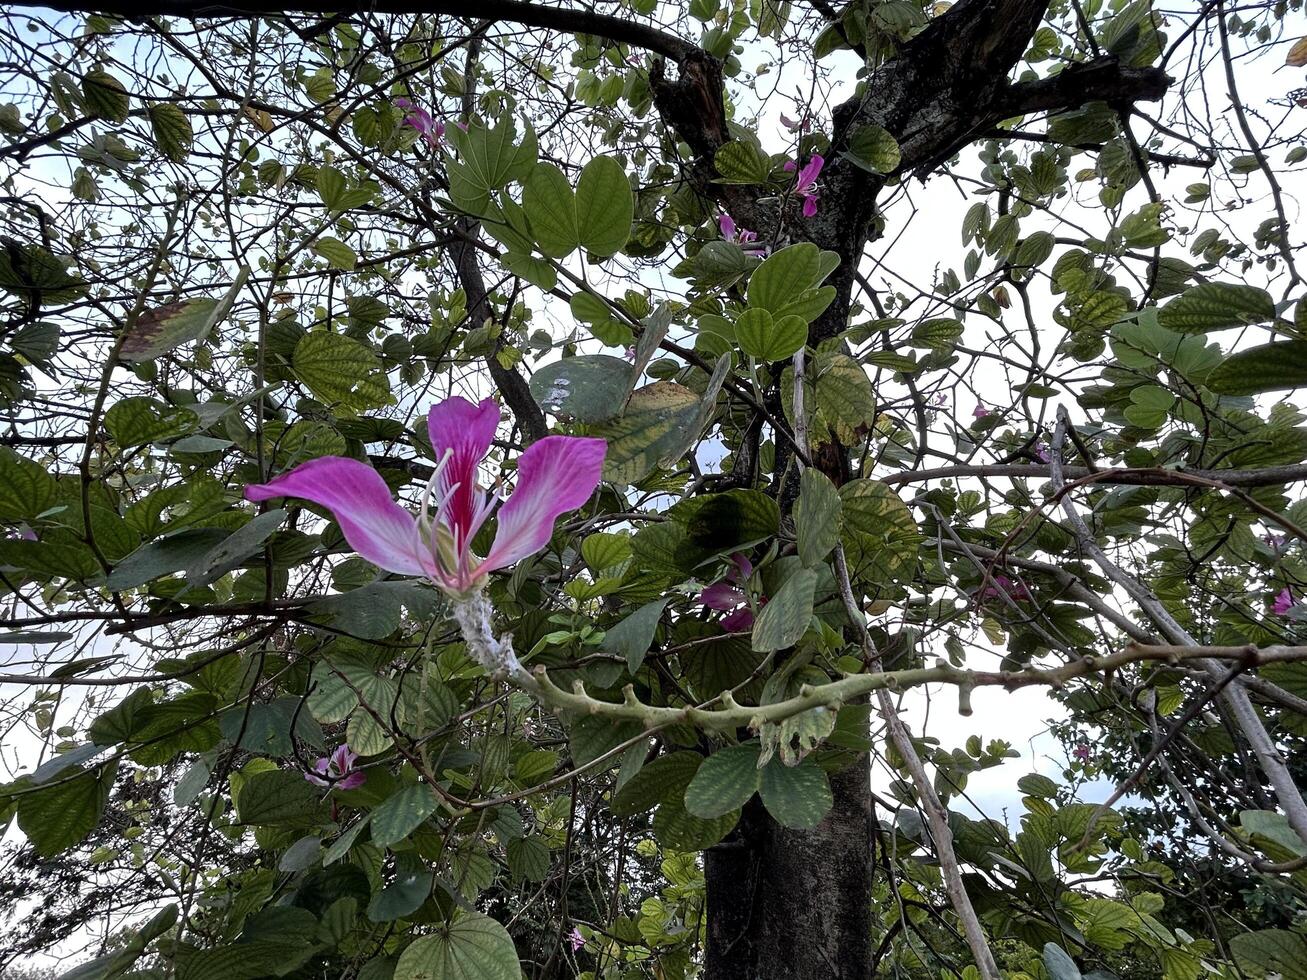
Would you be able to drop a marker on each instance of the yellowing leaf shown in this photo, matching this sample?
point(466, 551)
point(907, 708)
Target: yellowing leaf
point(1297, 56)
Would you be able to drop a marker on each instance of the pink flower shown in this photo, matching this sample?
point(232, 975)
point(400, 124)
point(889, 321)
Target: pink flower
point(1283, 603)
point(805, 184)
point(1081, 753)
point(575, 939)
point(432, 130)
point(980, 412)
point(794, 125)
point(556, 474)
point(1000, 585)
point(745, 238)
point(337, 770)
point(1041, 453)
point(728, 595)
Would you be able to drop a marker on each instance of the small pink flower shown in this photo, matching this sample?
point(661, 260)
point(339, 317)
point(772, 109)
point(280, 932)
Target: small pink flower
point(575, 939)
point(432, 130)
point(980, 412)
point(337, 770)
point(554, 475)
point(940, 400)
point(1276, 542)
point(1041, 453)
point(805, 184)
point(1081, 753)
point(728, 596)
point(1000, 585)
point(1283, 603)
point(629, 353)
point(743, 237)
point(794, 125)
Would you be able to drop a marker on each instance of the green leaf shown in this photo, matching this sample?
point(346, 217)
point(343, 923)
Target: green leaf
point(817, 517)
point(337, 253)
point(680, 830)
point(247, 959)
point(786, 616)
point(657, 422)
point(658, 782)
point(61, 814)
point(401, 897)
point(872, 148)
point(1060, 966)
point(172, 131)
point(796, 796)
point(470, 946)
point(1271, 951)
point(741, 162)
point(140, 420)
point(604, 549)
point(528, 857)
point(402, 813)
point(724, 782)
point(768, 339)
point(589, 388)
point(26, 488)
point(1271, 367)
point(164, 556)
point(538, 272)
point(280, 797)
point(492, 157)
point(1216, 306)
point(787, 274)
point(550, 206)
point(605, 207)
point(838, 396)
point(165, 328)
point(340, 370)
point(233, 550)
point(881, 539)
point(105, 96)
point(632, 637)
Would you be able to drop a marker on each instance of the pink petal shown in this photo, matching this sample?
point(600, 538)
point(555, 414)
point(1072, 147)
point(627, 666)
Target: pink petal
point(376, 527)
point(743, 567)
point(352, 781)
point(721, 596)
point(727, 224)
point(320, 769)
point(465, 431)
point(556, 474)
point(738, 621)
point(809, 205)
point(788, 123)
point(809, 174)
point(1283, 602)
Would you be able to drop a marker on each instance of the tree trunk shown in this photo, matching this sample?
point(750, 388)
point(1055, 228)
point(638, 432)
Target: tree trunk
point(795, 904)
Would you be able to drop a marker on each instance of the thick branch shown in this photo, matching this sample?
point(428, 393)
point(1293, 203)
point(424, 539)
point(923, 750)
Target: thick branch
point(1103, 80)
point(565, 19)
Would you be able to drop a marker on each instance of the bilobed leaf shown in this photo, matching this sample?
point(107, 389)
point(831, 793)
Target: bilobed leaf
point(817, 517)
point(589, 388)
point(105, 96)
point(1216, 306)
point(741, 162)
point(786, 616)
point(140, 420)
point(233, 550)
point(767, 338)
point(655, 422)
point(470, 946)
point(677, 828)
point(605, 207)
point(61, 813)
point(172, 131)
point(340, 370)
point(528, 857)
point(796, 796)
point(1059, 965)
point(1297, 56)
point(26, 488)
point(401, 897)
point(278, 796)
point(872, 148)
point(632, 637)
point(492, 157)
point(1271, 367)
point(402, 813)
point(165, 556)
point(337, 253)
point(659, 781)
point(880, 536)
point(724, 782)
point(785, 274)
point(550, 206)
point(1271, 951)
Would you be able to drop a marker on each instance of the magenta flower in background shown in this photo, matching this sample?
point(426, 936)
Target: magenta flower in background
point(1041, 453)
point(980, 412)
point(728, 595)
point(1283, 603)
point(1081, 753)
point(432, 130)
point(794, 125)
point(1001, 585)
point(337, 770)
point(805, 184)
point(554, 475)
point(575, 939)
point(746, 239)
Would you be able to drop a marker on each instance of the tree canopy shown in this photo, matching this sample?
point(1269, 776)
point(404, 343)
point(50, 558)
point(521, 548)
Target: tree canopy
point(515, 489)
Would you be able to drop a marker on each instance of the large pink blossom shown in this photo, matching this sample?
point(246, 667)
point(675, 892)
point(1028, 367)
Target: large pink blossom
point(746, 239)
point(432, 130)
point(337, 770)
point(554, 475)
point(1283, 603)
point(805, 184)
point(728, 595)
